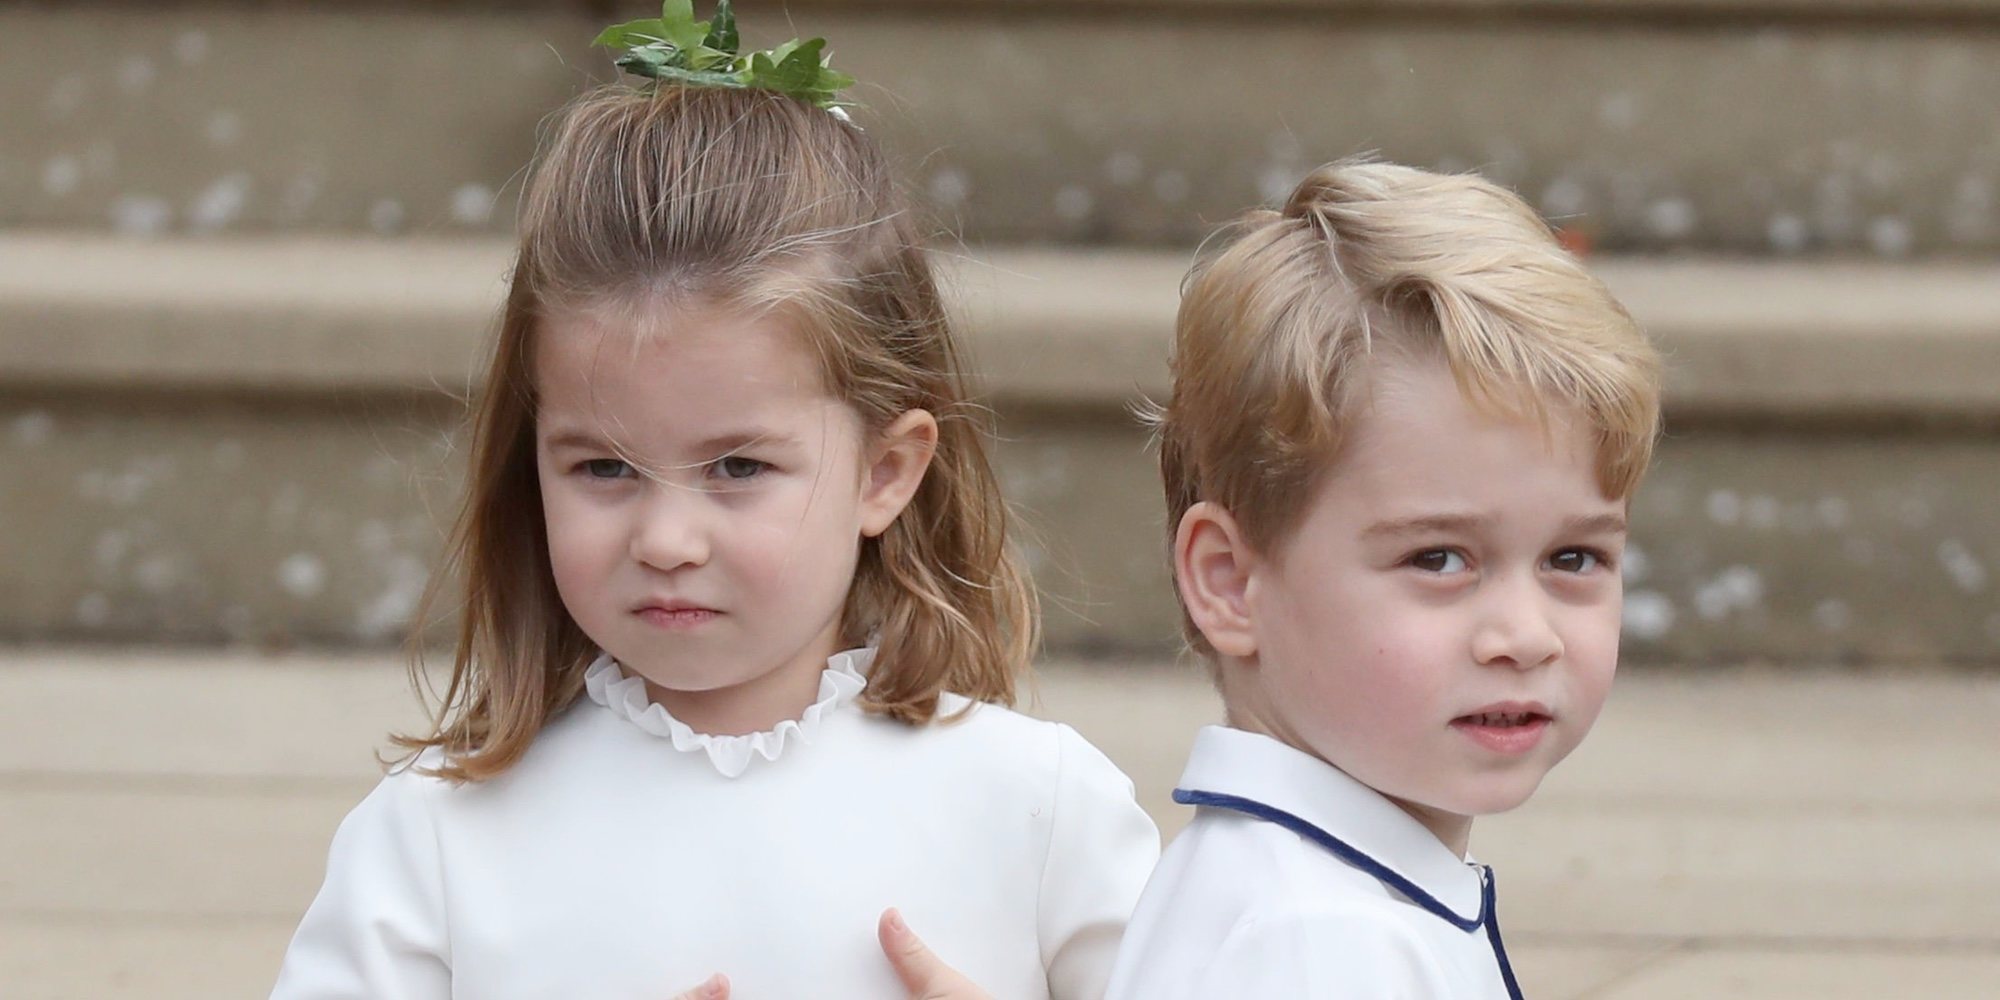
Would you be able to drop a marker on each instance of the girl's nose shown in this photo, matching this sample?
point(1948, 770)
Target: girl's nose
point(1516, 631)
point(669, 532)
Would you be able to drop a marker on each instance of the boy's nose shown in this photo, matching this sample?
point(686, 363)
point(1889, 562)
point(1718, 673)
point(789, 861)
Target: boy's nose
point(668, 533)
point(1517, 633)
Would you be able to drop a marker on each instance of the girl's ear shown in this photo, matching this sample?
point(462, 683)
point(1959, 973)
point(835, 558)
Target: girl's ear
point(1212, 564)
point(898, 458)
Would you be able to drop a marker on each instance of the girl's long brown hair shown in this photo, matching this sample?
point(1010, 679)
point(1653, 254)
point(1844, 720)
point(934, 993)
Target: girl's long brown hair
point(648, 198)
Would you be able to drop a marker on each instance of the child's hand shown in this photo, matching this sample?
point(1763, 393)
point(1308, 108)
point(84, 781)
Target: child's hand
point(922, 973)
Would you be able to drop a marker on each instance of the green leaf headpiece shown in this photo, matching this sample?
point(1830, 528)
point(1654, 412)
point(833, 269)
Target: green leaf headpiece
point(677, 48)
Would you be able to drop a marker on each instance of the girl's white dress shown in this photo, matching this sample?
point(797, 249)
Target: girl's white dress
point(627, 856)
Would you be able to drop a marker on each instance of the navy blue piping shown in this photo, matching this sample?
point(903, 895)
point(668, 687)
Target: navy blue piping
point(1490, 904)
point(1346, 852)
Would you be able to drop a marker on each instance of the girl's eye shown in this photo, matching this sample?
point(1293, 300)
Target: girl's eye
point(605, 468)
point(1439, 561)
point(738, 467)
point(1575, 561)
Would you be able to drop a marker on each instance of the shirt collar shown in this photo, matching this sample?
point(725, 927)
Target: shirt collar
point(1254, 774)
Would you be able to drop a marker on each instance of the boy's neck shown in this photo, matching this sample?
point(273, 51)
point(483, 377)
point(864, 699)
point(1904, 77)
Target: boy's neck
point(1452, 830)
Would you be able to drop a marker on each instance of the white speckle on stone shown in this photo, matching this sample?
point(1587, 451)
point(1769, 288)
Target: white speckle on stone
point(136, 73)
point(224, 128)
point(1172, 187)
point(1832, 511)
point(156, 574)
point(61, 175)
point(1736, 588)
point(140, 215)
point(302, 575)
point(1124, 168)
point(1636, 566)
point(191, 46)
point(1788, 233)
point(220, 204)
point(1833, 615)
point(34, 428)
point(472, 205)
point(111, 547)
point(1619, 111)
point(386, 216)
point(1649, 615)
point(227, 456)
point(66, 96)
point(93, 610)
point(1564, 197)
point(950, 186)
point(1762, 512)
point(1073, 203)
point(1962, 566)
point(1671, 218)
point(391, 609)
point(1890, 236)
point(1724, 507)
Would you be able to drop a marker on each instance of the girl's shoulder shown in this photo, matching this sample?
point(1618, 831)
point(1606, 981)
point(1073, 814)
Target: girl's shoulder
point(983, 739)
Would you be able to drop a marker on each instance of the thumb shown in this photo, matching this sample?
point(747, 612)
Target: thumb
point(923, 975)
point(716, 988)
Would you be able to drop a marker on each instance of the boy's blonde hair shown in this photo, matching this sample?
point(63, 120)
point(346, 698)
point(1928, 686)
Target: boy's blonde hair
point(1280, 323)
point(645, 200)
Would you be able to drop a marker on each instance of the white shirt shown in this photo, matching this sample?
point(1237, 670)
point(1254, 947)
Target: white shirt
point(626, 856)
point(1296, 881)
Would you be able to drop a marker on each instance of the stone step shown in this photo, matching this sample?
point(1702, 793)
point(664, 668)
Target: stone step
point(1754, 126)
point(249, 440)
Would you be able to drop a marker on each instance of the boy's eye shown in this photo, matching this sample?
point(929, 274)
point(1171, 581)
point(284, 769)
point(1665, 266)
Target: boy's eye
point(1575, 561)
point(1439, 561)
point(738, 467)
point(605, 468)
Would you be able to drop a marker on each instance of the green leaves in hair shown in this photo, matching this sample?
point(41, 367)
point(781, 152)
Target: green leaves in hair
point(677, 48)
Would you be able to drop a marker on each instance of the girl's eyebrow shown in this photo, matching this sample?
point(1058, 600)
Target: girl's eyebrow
point(720, 444)
point(723, 444)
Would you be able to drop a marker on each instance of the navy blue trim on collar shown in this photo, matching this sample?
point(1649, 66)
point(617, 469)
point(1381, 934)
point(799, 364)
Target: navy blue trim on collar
point(1340, 849)
point(1488, 904)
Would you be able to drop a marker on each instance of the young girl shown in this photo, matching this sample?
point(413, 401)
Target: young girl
point(737, 616)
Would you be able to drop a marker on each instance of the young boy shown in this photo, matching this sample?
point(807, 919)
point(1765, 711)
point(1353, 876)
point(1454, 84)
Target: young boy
point(1404, 431)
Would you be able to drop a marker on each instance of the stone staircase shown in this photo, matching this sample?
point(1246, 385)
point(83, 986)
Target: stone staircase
point(249, 252)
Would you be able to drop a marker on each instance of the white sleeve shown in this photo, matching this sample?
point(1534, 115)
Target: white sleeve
point(1321, 957)
point(377, 928)
point(1102, 847)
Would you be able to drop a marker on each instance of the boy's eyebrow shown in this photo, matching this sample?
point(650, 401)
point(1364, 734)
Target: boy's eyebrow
point(1595, 524)
point(1428, 524)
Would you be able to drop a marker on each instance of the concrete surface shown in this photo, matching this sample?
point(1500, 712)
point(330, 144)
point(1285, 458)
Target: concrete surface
point(1070, 328)
point(1721, 835)
point(250, 440)
point(1776, 126)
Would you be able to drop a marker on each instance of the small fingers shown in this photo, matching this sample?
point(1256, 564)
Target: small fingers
point(715, 988)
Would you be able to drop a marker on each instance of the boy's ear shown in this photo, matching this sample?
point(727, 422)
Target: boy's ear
point(898, 458)
point(1212, 570)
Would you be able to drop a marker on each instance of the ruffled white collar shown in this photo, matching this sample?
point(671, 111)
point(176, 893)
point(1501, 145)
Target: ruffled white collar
point(625, 695)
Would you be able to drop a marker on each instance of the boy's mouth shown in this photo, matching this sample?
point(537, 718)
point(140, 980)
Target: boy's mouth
point(1511, 728)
